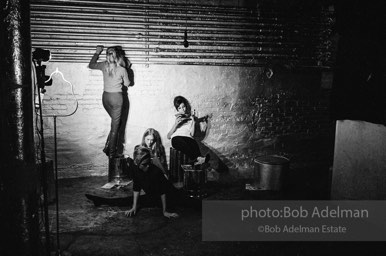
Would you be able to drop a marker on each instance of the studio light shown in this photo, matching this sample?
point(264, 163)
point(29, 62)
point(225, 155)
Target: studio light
point(41, 55)
point(38, 56)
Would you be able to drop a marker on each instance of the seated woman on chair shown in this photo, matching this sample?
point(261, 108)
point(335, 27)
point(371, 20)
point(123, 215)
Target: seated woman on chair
point(151, 139)
point(182, 132)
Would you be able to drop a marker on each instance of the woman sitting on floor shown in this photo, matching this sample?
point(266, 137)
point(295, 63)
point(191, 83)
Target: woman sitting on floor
point(151, 139)
point(158, 190)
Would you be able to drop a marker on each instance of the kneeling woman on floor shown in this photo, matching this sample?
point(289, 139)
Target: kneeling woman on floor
point(152, 181)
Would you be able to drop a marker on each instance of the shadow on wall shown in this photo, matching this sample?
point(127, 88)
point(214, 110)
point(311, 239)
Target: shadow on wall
point(282, 107)
point(125, 108)
point(217, 161)
point(202, 130)
point(124, 117)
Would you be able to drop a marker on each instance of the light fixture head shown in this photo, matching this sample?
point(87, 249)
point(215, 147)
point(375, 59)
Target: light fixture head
point(41, 55)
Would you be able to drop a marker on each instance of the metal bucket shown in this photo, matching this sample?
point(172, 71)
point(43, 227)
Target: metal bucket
point(269, 172)
point(194, 180)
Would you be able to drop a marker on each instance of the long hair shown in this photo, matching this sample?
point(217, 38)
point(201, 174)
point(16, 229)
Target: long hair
point(180, 99)
point(119, 59)
point(157, 149)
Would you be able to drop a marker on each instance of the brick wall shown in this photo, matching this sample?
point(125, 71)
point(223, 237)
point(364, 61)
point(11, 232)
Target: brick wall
point(252, 115)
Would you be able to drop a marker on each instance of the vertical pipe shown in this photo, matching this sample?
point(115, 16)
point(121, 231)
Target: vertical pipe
point(44, 179)
point(18, 173)
point(171, 164)
point(178, 168)
point(56, 190)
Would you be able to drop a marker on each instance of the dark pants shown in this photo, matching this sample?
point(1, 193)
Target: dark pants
point(186, 145)
point(112, 102)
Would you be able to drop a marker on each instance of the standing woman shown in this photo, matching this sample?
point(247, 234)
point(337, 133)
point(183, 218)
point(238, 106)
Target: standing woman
point(114, 78)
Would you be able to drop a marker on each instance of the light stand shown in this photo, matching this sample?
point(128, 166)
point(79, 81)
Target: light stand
point(44, 182)
point(56, 190)
point(38, 56)
point(58, 251)
point(55, 116)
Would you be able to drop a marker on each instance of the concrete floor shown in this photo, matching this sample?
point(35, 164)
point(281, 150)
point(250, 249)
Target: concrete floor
point(88, 230)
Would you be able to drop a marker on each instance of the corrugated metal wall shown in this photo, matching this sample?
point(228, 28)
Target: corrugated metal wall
point(153, 32)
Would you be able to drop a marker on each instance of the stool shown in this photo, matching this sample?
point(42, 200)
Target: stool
point(177, 158)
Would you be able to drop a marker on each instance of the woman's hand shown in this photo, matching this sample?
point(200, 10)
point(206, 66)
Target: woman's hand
point(131, 212)
point(99, 49)
point(93, 62)
point(179, 120)
point(170, 215)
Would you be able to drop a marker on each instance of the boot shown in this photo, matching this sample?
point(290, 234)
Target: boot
point(113, 146)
